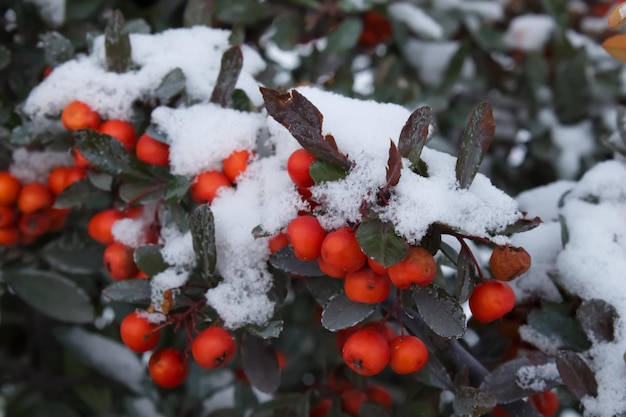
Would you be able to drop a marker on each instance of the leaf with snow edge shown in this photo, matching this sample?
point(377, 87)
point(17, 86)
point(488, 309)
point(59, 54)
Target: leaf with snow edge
point(197, 13)
point(597, 318)
point(554, 320)
point(379, 241)
point(57, 48)
point(340, 312)
point(62, 254)
point(51, 294)
point(345, 36)
point(475, 141)
point(322, 171)
point(521, 225)
point(117, 44)
point(571, 104)
point(232, 62)
point(441, 312)
point(172, 85)
point(465, 276)
point(502, 384)
point(109, 155)
point(135, 291)
point(140, 191)
point(304, 122)
point(267, 331)
point(75, 195)
point(285, 260)
point(471, 401)
point(394, 165)
point(149, 259)
point(111, 359)
point(285, 405)
point(260, 363)
point(576, 374)
point(176, 189)
point(414, 134)
point(202, 225)
point(323, 288)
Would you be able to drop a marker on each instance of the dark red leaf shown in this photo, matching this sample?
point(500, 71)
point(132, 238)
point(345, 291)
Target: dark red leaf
point(576, 374)
point(415, 133)
point(474, 144)
point(394, 165)
point(232, 61)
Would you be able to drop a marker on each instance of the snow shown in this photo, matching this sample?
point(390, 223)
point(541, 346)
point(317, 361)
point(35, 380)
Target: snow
point(530, 32)
point(533, 377)
point(178, 247)
point(34, 166)
point(416, 19)
point(431, 70)
point(51, 11)
point(130, 232)
point(488, 9)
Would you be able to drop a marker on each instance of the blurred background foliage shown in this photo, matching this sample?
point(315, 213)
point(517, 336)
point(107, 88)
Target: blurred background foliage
point(448, 54)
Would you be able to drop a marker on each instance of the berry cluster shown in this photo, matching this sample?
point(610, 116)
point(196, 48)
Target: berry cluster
point(208, 184)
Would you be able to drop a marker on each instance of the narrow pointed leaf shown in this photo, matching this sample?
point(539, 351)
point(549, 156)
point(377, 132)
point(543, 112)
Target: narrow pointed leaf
point(260, 363)
point(394, 165)
point(117, 44)
point(464, 283)
point(172, 85)
point(322, 171)
point(340, 312)
point(304, 122)
point(441, 312)
point(474, 143)
point(379, 241)
point(232, 61)
point(57, 48)
point(414, 134)
point(149, 260)
point(522, 225)
point(202, 225)
point(576, 375)
point(51, 294)
point(136, 291)
point(285, 260)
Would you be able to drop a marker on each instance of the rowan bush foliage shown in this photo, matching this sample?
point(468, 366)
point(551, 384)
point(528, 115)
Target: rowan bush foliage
point(302, 208)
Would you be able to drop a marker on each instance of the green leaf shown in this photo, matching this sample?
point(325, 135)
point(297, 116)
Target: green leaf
point(286, 31)
point(243, 11)
point(260, 363)
point(5, 57)
point(576, 375)
point(553, 320)
point(414, 134)
point(172, 86)
point(109, 155)
point(232, 61)
point(597, 318)
point(379, 241)
point(285, 260)
point(434, 374)
point(455, 67)
point(471, 401)
point(304, 122)
point(140, 191)
point(107, 357)
point(136, 291)
point(75, 195)
point(572, 104)
point(176, 189)
point(322, 171)
point(73, 254)
point(270, 330)
point(323, 288)
point(202, 225)
point(340, 312)
point(345, 36)
point(149, 260)
point(465, 276)
point(558, 10)
point(441, 312)
point(51, 294)
point(57, 48)
point(239, 101)
point(117, 44)
point(474, 144)
point(245, 398)
point(197, 13)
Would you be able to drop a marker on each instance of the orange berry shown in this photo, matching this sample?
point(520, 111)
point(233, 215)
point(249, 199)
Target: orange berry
point(213, 347)
point(298, 166)
point(547, 403)
point(9, 188)
point(306, 236)
point(78, 115)
point(376, 267)
point(100, 225)
point(34, 224)
point(137, 333)
point(278, 242)
point(9, 236)
point(352, 400)
point(408, 354)
point(207, 186)
point(365, 286)
point(152, 151)
point(56, 179)
point(74, 174)
point(366, 352)
point(79, 160)
point(8, 216)
point(491, 300)
point(34, 197)
point(321, 409)
point(330, 270)
point(419, 267)
point(341, 249)
point(168, 367)
point(380, 395)
point(119, 261)
point(235, 164)
point(120, 130)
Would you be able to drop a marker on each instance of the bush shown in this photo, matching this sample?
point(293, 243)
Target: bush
point(302, 208)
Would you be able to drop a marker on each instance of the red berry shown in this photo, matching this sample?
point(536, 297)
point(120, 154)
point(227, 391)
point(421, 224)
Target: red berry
point(213, 347)
point(138, 333)
point(306, 236)
point(122, 131)
point(207, 186)
point(491, 300)
point(168, 367)
point(152, 151)
point(78, 115)
point(366, 352)
point(341, 249)
point(419, 267)
point(298, 166)
point(235, 164)
point(408, 354)
point(365, 286)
